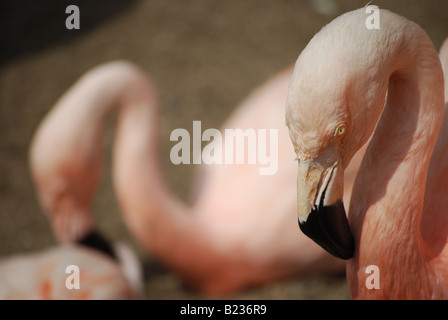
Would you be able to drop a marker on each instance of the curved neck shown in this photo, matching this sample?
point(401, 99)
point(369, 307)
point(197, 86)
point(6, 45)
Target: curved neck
point(388, 196)
point(156, 217)
point(159, 220)
point(153, 214)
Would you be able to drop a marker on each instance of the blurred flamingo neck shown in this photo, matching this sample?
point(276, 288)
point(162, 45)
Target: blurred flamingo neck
point(159, 220)
point(149, 208)
point(387, 201)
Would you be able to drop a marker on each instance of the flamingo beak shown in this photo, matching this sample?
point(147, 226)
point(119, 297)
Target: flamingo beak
point(320, 208)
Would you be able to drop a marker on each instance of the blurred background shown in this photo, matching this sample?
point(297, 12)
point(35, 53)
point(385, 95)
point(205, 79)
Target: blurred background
point(205, 56)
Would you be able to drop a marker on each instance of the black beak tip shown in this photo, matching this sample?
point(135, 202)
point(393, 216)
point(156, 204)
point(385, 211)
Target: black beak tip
point(328, 227)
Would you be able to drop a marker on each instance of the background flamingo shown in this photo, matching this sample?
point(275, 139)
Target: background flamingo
point(238, 231)
point(397, 215)
point(105, 271)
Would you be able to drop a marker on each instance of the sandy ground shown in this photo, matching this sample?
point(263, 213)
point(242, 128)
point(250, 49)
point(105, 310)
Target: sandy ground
point(205, 56)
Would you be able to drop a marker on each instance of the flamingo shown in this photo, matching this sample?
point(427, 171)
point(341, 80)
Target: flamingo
point(235, 235)
point(348, 84)
point(103, 271)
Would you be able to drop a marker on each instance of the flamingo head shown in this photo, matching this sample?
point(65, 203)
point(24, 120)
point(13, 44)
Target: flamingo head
point(66, 166)
point(332, 108)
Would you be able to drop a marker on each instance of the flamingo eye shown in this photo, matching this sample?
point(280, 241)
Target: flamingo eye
point(340, 130)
